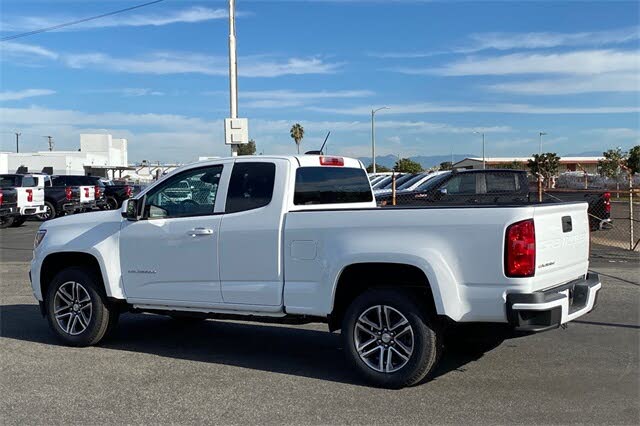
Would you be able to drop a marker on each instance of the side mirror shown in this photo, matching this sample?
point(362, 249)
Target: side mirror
point(132, 208)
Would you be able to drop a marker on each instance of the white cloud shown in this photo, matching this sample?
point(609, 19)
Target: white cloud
point(10, 48)
point(23, 94)
point(130, 91)
point(163, 63)
point(537, 40)
point(609, 82)
point(615, 133)
point(190, 15)
point(291, 98)
point(572, 63)
point(423, 108)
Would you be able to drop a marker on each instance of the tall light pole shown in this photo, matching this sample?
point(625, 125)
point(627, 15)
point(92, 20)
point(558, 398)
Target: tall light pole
point(373, 138)
point(18, 142)
point(541, 134)
point(484, 163)
point(233, 69)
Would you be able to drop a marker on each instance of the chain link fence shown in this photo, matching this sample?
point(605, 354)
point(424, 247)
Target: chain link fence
point(614, 204)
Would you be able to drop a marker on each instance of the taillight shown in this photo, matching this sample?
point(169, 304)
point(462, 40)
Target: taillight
point(331, 161)
point(29, 195)
point(1, 197)
point(86, 192)
point(97, 189)
point(128, 191)
point(520, 249)
point(607, 202)
point(68, 193)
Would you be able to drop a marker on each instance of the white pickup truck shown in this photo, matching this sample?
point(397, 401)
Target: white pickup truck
point(30, 195)
point(299, 239)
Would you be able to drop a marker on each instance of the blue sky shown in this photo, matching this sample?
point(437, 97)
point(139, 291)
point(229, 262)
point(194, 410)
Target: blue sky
point(158, 75)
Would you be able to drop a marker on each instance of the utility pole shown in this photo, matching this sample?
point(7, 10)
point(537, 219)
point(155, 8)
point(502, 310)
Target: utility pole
point(18, 142)
point(541, 134)
point(233, 69)
point(373, 138)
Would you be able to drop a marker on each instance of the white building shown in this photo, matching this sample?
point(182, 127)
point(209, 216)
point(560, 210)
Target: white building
point(567, 164)
point(98, 154)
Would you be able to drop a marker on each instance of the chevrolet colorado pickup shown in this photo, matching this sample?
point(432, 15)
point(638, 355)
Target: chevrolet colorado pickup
point(300, 239)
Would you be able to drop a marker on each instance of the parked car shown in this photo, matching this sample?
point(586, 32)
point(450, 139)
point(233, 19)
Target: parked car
point(8, 205)
point(599, 204)
point(59, 199)
point(299, 239)
point(86, 189)
point(115, 193)
point(29, 193)
point(409, 185)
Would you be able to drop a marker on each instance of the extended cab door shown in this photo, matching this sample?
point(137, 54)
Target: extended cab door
point(171, 254)
point(251, 233)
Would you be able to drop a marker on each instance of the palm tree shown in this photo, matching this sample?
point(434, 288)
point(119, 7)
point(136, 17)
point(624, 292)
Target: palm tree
point(297, 133)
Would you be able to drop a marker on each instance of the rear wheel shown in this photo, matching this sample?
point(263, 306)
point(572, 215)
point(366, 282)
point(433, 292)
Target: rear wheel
point(18, 221)
point(6, 221)
point(77, 308)
point(49, 212)
point(389, 339)
point(112, 203)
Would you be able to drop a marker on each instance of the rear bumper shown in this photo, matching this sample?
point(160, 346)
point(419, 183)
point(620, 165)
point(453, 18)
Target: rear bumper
point(548, 309)
point(8, 211)
point(31, 210)
point(70, 207)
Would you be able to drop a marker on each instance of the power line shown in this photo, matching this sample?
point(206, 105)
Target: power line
point(79, 21)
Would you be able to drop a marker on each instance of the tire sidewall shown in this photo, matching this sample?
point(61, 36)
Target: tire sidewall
point(425, 339)
point(99, 317)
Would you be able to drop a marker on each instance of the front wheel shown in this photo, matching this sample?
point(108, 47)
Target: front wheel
point(389, 339)
point(77, 308)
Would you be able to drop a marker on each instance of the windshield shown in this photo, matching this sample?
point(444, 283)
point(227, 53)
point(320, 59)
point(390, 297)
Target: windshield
point(8, 181)
point(434, 182)
point(399, 181)
point(411, 181)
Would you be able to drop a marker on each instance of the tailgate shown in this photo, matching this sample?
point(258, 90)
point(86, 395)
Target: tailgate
point(87, 194)
point(562, 244)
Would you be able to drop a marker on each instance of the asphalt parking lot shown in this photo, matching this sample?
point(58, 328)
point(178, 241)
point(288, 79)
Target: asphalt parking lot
point(156, 371)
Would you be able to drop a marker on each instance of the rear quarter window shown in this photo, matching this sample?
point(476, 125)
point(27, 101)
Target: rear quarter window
point(331, 185)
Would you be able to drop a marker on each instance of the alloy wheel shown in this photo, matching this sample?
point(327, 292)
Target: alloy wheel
point(72, 308)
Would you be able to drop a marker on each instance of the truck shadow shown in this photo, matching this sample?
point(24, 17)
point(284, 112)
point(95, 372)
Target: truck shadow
point(308, 352)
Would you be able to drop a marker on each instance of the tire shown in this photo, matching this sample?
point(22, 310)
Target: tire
point(423, 339)
point(18, 221)
point(84, 314)
point(112, 204)
point(50, 212)
point(6, 221)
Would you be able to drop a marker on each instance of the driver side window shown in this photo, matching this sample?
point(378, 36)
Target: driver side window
point(190, 193)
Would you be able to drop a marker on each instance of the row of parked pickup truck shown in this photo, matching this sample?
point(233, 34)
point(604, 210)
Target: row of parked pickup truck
point(45, 197)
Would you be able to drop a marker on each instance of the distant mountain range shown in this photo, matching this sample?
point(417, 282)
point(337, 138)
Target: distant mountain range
point(428, 161)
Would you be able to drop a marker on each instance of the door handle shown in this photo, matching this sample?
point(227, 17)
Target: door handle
point(200, 231)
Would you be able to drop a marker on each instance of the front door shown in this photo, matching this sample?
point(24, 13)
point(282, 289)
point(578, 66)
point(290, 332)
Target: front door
point(171, 254)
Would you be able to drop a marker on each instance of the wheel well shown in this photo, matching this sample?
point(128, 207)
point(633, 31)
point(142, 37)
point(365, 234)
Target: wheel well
point(56, 262)
point(357, 278)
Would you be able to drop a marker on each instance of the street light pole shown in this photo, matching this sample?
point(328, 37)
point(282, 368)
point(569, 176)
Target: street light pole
point(233, 69)
point(484, 163)
point(18, 142)
point(373, 138)
point(541, 134)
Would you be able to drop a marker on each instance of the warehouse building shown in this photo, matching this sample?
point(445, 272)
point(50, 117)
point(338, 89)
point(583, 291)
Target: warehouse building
point(99, 155)
point(567, 164)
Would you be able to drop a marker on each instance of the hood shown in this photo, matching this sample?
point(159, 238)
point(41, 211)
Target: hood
point(84, 219)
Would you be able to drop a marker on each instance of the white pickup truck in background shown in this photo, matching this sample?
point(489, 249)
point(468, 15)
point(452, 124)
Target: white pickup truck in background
point(300, 239)
point(30, 195)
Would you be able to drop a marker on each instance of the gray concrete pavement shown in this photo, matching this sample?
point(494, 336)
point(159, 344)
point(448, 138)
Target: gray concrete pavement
point(154, 370)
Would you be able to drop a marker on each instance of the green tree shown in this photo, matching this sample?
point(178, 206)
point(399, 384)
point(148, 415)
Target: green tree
point(445, 165)
point(379, 168)
point(248, 148)
point(406, 165)
point(297, 133)
point(545, 164)
point(609, 166)
point(633, 160)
